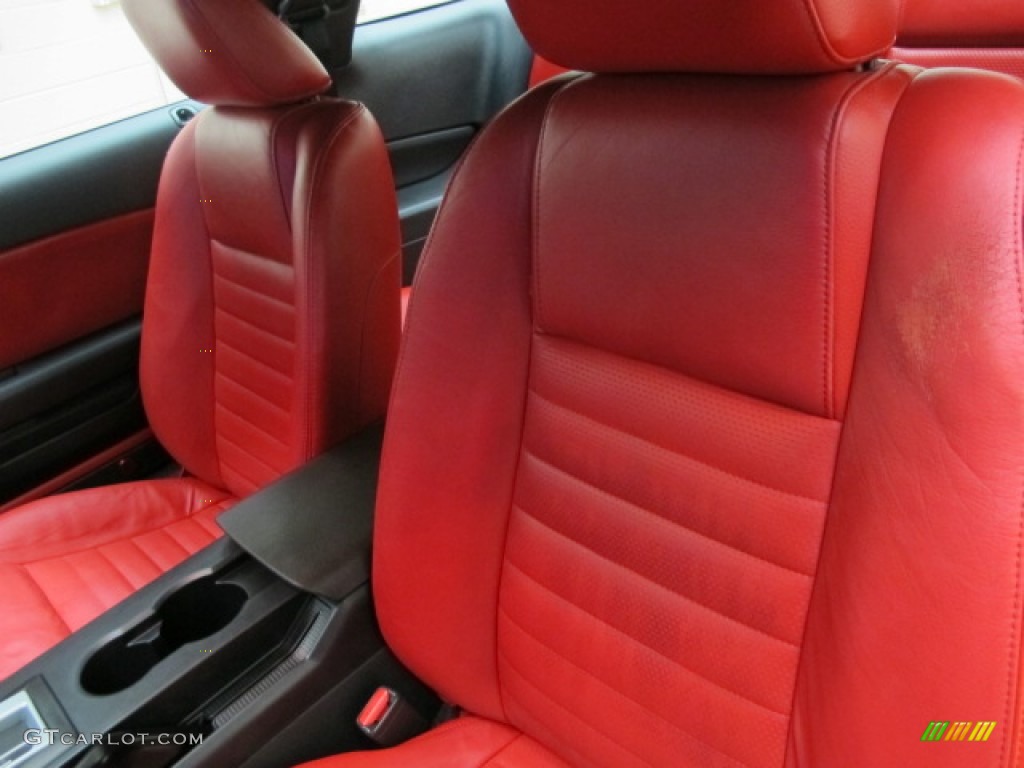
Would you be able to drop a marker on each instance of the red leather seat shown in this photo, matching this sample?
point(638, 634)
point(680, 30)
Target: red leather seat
point(707, 437)
point(988, 34)
point(271, 322)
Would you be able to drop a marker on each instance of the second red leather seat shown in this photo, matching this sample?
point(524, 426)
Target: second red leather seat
point(707, 438)
point(272, 314)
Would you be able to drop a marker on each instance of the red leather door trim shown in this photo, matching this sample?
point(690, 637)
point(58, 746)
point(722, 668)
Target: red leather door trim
point(64, 287)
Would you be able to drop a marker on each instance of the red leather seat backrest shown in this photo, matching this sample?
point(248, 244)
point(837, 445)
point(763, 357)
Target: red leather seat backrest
point(988, 34)
point(272, 310)
point(709, 400)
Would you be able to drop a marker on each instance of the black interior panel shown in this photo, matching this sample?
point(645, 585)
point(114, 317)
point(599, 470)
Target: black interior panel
point(422, 157)
point(418, 204)
point(63, 407)
point(433, 78)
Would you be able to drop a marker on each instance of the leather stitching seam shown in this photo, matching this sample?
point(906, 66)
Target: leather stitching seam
point(534, 245)
point(797, 678)
point(576, 716)
point(741, 478)
point(42, 593)
point(675, 523)
point(98, 551)
point(131, 537)
point(654, 585)
point(1015, 651)
point(263, 364)
point(252, 291)
point(538, 290)
point(832, 152)
point(313, 330)
point(674, 662)
point(273, 438)
point(274, 131)
point(195, 125)
point(248, 453)
point(503, 748)
point(814, 18)
point(240, 384)
point(257, 328)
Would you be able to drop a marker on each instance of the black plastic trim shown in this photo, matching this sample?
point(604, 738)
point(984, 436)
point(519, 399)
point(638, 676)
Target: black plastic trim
point(52, 714)
point(314, 527)
point(66, 406)
point(418, 158)
point(417, 206)
point(58, 377)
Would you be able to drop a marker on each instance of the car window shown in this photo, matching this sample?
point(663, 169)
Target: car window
point(374, 10)
point(67, 66)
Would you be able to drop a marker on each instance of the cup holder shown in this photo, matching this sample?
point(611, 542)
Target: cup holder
point(197, 610)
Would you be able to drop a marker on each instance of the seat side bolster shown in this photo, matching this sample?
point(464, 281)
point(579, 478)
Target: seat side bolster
point(920, 574)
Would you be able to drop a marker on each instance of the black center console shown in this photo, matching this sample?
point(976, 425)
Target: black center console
point(258, 651)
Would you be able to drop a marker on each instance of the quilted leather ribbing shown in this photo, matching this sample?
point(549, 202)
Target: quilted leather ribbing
point(254, 360)
point(660, 559)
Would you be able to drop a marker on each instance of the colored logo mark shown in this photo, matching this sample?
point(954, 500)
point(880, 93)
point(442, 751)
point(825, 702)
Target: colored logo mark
point(960, 731)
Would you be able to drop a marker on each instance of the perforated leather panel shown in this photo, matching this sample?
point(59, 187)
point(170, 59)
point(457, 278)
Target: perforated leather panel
point(660, 559)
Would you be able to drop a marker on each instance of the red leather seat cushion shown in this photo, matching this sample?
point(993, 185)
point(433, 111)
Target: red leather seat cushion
point(67, 559)
point(469, 742)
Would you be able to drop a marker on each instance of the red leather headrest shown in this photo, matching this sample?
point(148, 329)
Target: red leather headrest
point(227, 52)
point(962, 23)
point(726, 36)
point(712, 36)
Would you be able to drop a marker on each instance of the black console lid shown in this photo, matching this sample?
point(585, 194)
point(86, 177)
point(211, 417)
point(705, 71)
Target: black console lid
point(314, 527)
